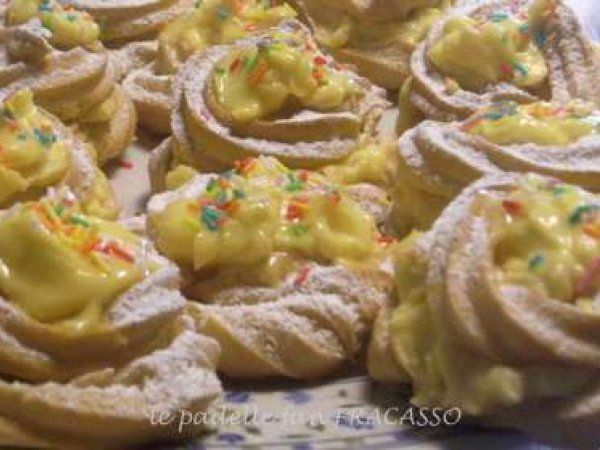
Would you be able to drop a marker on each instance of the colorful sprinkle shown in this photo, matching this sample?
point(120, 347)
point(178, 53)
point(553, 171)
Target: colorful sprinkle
point(302, 276)
point(581, 212)
point(536, 261)
point(588, 278)
point(512, 207)
point(126, 164)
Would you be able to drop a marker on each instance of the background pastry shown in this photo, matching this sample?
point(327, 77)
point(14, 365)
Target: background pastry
point(56, 53)
point(376, 37)
point(209, 23)
point(38, 152)
point(290, 270)
point(124, 21)
point(437, 160)
point(274, 95)
point(498, 311)
point(92, 332)
point(521, 51)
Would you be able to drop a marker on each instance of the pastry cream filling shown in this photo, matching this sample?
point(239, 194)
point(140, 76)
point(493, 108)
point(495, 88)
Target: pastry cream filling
point(443, 374)
point(62, 267)
point(367, 164)
point(547, 238)
point(257, 81)
point(537, 123)
point(336, 28)
point(69, 27)
point(480, 53)
point(31, 155)
point(261, 208)
point(217, 22)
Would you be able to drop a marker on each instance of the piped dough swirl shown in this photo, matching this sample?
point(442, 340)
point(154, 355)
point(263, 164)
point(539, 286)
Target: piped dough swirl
point(79, 85)
point(437, 160)
point(375, 37)
point(486, 323)
point(205, 137)
point(276, 308)
point(571, 61)
point(111, 365)
point(124, 21)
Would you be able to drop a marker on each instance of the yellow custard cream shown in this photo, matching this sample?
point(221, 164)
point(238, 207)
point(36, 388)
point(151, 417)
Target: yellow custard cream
point(62, 267)
point(501, 47)
point(537, 123)
point(31, 155)
point(443, 373)
point(255, 82)
point(68, 27)
point(217, 22)
point(547, 238)
point(260, 208)
point(369, 163)
point(337, 29)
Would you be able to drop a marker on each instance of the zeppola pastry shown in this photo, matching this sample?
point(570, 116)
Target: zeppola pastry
point(517, 50)
point(210, 22)
point(37, 152)
point(498, 310)
point(375, 36)
point(93, 333)
point(436, 160)
point(124, 21)
point(274, 95)
point(55, 51)
point(288, 270)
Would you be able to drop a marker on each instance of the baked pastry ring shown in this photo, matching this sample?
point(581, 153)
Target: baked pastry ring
point(437, 160)
point(69, 72)
point(124, 21)
point(37, 152)
point(93, 333)
point(376, 37)
point(498, 309)
point(515, 53)
point(307, 118)
point(290, 270)
point(211, 22)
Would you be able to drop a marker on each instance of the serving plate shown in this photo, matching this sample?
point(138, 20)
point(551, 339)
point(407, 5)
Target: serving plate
point(348, 411)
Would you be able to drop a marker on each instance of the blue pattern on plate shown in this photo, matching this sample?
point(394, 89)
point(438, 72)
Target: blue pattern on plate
point(238, 397)
point(297, 397)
